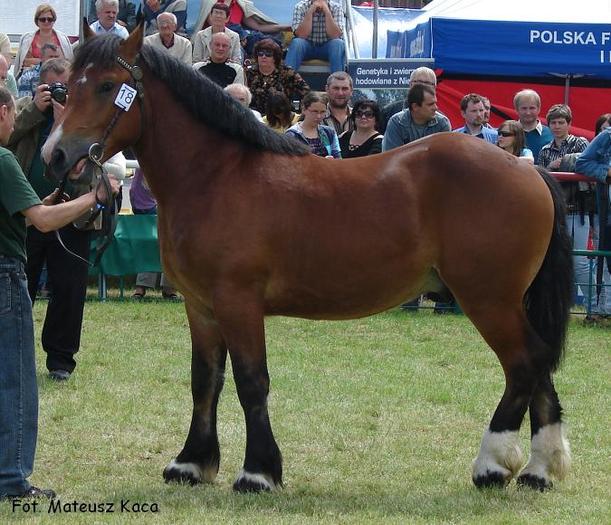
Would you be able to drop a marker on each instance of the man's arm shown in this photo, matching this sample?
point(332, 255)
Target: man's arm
point(333, 27)
point(392, 135)
point(252, 23)
point(302, 20)
point(49, 218)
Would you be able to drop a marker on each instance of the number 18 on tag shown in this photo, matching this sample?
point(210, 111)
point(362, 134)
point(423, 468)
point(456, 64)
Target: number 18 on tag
point(125, 97)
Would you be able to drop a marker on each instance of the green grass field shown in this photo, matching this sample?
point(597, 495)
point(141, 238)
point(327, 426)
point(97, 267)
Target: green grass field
point(378, 420)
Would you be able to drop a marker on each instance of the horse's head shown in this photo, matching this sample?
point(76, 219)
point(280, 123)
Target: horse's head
point(104, 109)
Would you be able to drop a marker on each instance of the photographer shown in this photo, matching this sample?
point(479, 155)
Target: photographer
point(36, 116)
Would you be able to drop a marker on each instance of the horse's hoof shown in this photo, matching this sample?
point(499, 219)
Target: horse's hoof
point(182, 473)
point(248, 482)
point(495, 480)
point(534, 482)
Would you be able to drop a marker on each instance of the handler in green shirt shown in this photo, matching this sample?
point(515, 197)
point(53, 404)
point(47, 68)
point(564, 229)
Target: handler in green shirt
point(18, 390)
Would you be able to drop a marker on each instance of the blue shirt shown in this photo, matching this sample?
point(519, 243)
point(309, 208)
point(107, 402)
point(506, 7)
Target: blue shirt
point(28, 81)
point(595, 161)
point(401, 129)
point(488, 134)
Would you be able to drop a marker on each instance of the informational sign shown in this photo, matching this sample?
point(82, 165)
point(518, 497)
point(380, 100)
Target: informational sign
point(384, 73)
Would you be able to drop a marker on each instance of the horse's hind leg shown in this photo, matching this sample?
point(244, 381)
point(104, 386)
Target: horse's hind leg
point(199, 459)
point(508, 333)
point(550, 455)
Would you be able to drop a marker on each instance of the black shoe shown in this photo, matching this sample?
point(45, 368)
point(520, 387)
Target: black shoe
point(32, 493)
point(59, 375)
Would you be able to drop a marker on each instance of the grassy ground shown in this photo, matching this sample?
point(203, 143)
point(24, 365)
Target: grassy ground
point(378, 421)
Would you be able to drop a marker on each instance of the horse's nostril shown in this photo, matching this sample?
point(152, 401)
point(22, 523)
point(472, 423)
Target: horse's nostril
point(58, 158)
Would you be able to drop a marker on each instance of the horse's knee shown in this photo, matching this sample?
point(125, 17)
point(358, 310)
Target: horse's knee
point(550, 457)
point(499, 459)
point(189, 473)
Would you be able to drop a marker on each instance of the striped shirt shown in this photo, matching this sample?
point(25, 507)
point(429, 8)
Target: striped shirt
point(318, 36)
point(551, 152)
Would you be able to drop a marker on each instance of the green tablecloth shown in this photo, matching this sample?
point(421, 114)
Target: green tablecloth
point(134, 249)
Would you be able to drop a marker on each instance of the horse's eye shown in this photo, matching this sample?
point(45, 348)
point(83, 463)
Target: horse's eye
point(106, 87)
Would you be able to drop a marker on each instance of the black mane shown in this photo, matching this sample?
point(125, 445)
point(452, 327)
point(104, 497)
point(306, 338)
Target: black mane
point(203, 98)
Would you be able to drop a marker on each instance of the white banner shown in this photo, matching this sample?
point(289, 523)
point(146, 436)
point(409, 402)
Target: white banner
point(17, 16)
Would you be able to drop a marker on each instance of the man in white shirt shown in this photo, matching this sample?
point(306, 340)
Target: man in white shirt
point(167, 39)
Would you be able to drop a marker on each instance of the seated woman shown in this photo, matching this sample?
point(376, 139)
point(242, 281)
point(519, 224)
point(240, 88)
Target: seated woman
point(364, 139)
point(512, 139)
point(202, 41)
point(322, 140)
point(268, 73)
point(279, 114)
point(30, 45)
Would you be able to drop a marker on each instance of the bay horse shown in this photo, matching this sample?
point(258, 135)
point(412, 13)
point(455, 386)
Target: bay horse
point(251, 224)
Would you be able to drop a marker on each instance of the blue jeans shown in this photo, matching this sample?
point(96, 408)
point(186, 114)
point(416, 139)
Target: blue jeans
point(301, 49)
point(18, 389)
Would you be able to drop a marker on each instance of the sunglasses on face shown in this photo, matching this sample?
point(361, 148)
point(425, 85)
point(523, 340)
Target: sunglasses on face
point(46, 19)
point(506, 134)
point(365, 114)
point(265, 53)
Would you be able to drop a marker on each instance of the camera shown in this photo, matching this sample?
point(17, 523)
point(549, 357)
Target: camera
point(58, 92)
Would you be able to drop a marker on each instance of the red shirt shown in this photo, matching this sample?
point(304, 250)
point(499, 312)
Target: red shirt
point(236, 14)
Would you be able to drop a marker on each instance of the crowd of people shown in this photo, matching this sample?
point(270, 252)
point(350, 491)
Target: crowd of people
point(247, 54)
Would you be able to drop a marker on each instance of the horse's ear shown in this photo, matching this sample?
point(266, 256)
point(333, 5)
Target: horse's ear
point(87, 31)
point(131, 47)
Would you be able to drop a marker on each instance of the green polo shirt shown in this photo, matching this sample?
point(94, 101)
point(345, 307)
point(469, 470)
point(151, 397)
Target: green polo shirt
point(16, 194)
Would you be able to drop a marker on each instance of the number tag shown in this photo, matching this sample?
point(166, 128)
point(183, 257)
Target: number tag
point(125, 97)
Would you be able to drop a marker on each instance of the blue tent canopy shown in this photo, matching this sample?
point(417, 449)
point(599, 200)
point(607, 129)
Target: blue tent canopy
point(508, 38)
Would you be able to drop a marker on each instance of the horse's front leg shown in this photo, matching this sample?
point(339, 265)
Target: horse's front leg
point(241, 319)
point(199, 459)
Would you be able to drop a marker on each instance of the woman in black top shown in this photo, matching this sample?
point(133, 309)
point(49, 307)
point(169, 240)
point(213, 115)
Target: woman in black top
point(364, 139)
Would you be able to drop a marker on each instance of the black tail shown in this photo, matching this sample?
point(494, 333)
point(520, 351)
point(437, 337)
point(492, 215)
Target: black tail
point(550, 296)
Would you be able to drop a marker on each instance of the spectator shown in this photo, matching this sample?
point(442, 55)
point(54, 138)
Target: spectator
point(18, 390)
point(418, 120)
point(559, 119)
point(243, 95)
point(5, 47)
point(143, 203)
point(153, 8)
point(31, 76)
point(512, 140)
point(219, 16)
point(167, 39)
point(62, 326)
point(472, 110)
point(322, 140)
point(218, 68)
point(106, 11)
point(364, 139)
point(246, 20)
point(339, 93)
point(270, 75)
point(30, 44)
point(595, 162)
point(528, 105)
point(6, 79)
point(319, 27)
point(279, 114)
point(487, 108)
point(126, 16)
point(420, 75)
